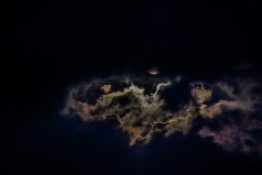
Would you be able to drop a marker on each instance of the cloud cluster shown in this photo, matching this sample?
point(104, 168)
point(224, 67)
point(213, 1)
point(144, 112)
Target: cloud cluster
point(235, 136)
point(243, 100)
point(140, 109)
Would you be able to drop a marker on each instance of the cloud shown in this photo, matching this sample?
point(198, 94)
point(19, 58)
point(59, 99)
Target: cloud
point(200, 93)
point(139, 107)
point(140, 115)
point(236, 131)
point(106, 88)
point(235, 136)
point(238, 97)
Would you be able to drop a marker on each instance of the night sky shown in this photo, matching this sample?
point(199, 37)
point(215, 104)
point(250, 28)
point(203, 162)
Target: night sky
point(52, 45)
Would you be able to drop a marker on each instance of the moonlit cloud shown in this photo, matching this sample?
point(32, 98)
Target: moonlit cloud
point(235, 135)
point(139, 107)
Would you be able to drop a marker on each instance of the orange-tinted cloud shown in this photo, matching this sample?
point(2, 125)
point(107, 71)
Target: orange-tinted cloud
point(141, 111)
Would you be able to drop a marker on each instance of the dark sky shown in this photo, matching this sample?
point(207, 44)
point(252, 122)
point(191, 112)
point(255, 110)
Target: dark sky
point(53, 44)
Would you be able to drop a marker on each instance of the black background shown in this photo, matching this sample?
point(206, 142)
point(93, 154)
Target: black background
point(50, 45)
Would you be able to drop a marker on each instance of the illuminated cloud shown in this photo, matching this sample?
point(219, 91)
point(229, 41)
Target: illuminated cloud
point(235, 136)
point(200, 93)
point(243, 100)
point(106, 88)
point(140, 109)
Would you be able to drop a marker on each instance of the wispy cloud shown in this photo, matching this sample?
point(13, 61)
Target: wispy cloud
point(141, 115)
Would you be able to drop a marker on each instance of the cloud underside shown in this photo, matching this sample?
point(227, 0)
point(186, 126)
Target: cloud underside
point(142, 113)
